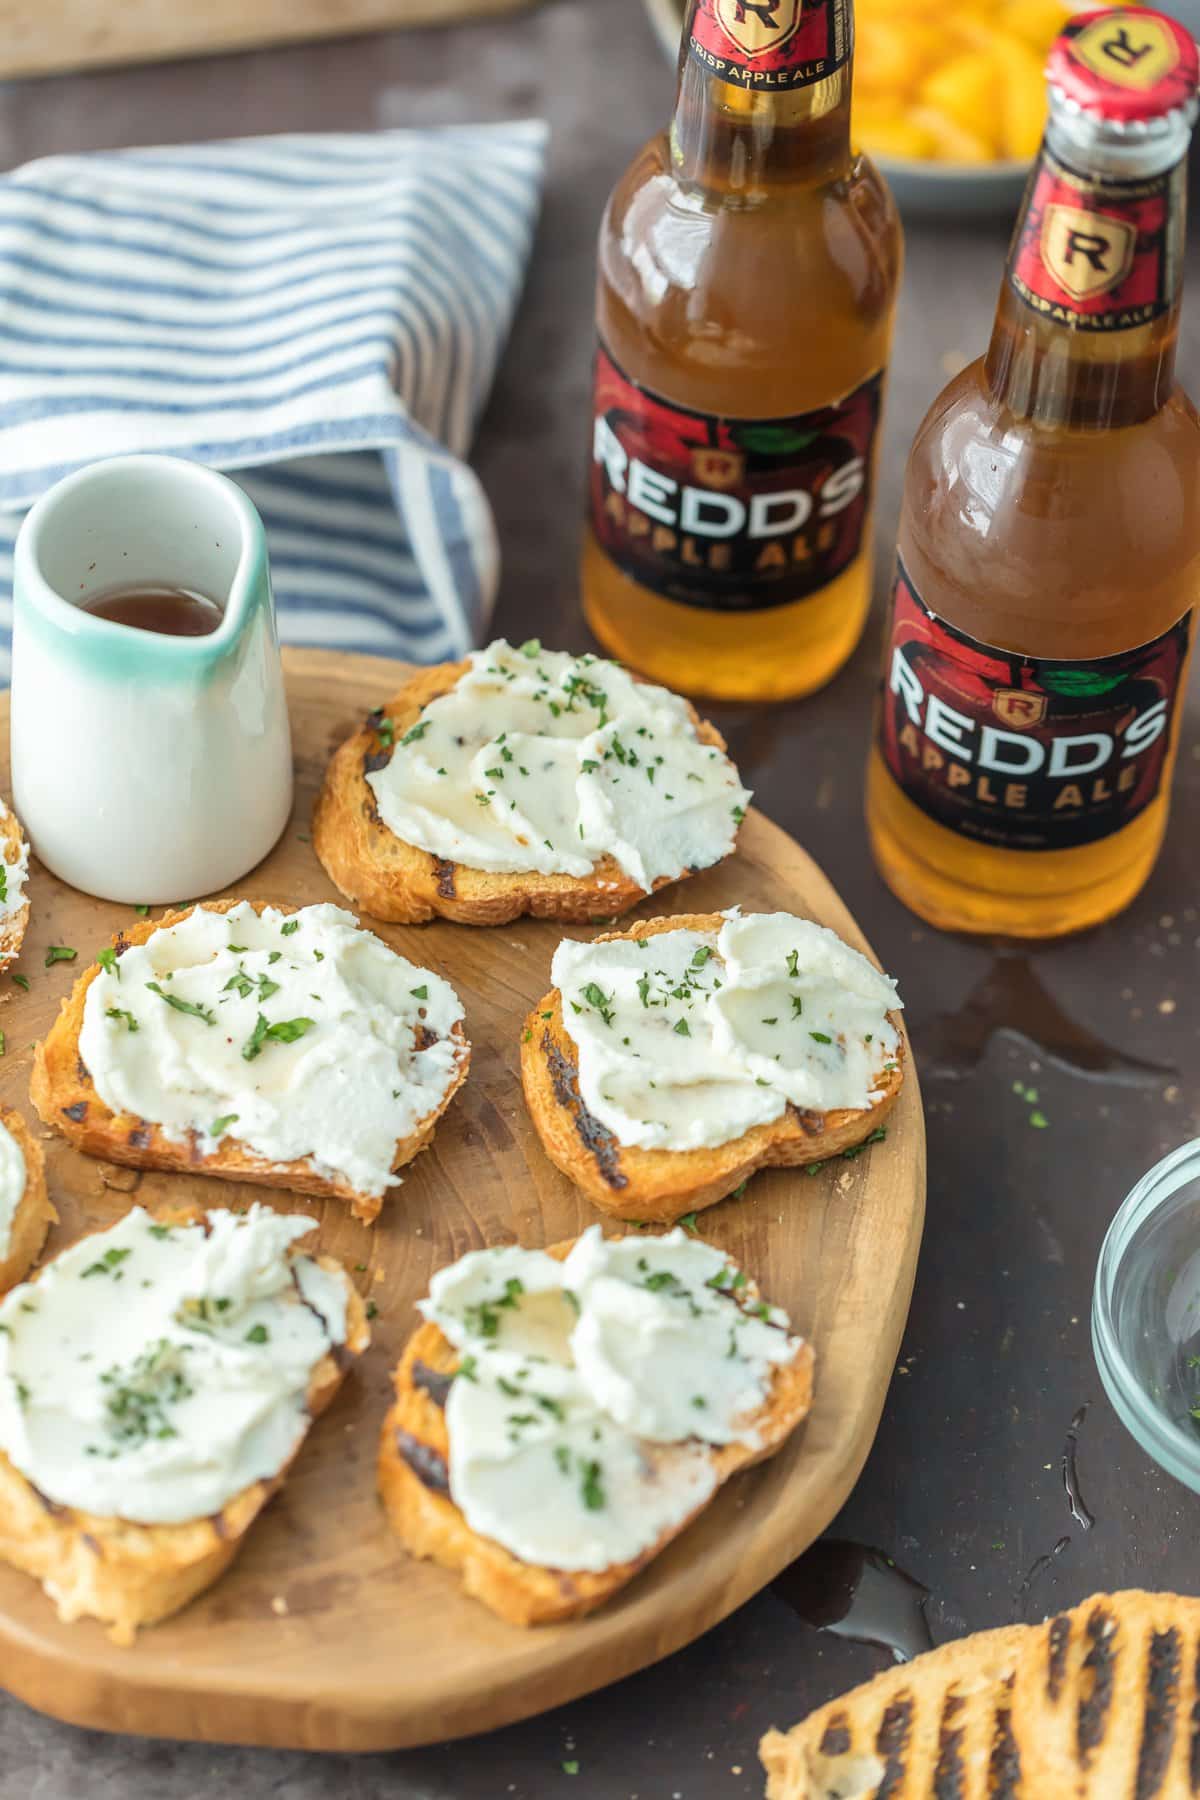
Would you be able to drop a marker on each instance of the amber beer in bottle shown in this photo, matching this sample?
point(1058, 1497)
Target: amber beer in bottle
point(748, 268)
point(1049, 553)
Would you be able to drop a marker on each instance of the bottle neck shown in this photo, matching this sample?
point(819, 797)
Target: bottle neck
point(773, 119)
point(1088, 320)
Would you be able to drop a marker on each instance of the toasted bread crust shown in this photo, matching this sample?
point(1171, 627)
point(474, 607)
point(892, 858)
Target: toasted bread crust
point(128, 1575)
point(12, 930)
point(397, 882)
point(431, 1526)
point(1100, 1703)
point(845, 1748)
point(65, 1096)
point(658, 1186)
point(34, 1215)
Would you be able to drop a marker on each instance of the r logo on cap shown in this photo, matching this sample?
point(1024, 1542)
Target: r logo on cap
point(1133, 51)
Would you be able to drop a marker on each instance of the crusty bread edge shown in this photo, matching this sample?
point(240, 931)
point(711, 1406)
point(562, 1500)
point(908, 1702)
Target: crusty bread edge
point(60, 1086)
point(658, 1186)
point(34, 1213)
point(129, 1575)
point(12, 936)
point(431, 1526)
point(396, 882)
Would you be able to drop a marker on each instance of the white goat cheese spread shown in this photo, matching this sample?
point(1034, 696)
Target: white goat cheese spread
point(301, 1035)
point(592, 1391)
point(687, 1039)
point(540, 761)
point(12, 1185)
point(152, 1372)
point(13, 875)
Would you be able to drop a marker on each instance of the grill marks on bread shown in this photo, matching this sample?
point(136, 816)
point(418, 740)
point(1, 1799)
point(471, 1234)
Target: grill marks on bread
point(1100, 1703)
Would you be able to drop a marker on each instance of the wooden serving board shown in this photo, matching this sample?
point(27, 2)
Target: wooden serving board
point(325, 1635)
point(79, 34)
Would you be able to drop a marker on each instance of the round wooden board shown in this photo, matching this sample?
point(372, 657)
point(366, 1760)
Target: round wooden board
point(325, 1635)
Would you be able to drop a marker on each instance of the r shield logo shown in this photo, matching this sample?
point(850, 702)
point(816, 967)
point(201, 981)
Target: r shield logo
point(718, 468)
point(1019, 710)
point(758, 26)
point(1086, 253)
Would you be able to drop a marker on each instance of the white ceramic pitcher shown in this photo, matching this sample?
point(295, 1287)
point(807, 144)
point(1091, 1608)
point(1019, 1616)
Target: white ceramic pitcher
point(147, 767)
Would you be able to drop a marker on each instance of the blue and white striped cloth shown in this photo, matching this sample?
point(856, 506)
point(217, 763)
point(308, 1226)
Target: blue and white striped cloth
point(321, 314)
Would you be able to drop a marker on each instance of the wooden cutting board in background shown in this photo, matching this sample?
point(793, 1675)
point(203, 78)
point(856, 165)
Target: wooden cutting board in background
point(80, 34)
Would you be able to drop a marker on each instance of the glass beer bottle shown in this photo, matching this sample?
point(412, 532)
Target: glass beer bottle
point(748, 268)
point(1049, 551)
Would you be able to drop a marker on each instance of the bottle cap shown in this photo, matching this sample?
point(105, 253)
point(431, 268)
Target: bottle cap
point(1126, 65)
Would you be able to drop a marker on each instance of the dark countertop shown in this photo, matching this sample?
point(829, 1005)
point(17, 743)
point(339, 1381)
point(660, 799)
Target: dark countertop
point(965, 1485)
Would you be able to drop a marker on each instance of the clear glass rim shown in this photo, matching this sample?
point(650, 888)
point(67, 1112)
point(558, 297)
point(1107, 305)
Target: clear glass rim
point(1174, 1448)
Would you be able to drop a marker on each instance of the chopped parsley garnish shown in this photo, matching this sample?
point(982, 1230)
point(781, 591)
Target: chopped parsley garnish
point(593, 1487)
point(220, 1126)
point(287, 929)
point(143, 912)
point(682, 1028)
point(703, 955)
point(820, 1037)
point(241, 984)
point(792, 964)
point(56, 953)
point(136, 1403)
point(372, 1310)
point(466, 1369)
point(183, 1006)
point(797, 1006)
point(531, 647)
point(420, 993)
point(386, 731)
point(118, 1013)
point(284, 1031)
point(699, 1402)
point(595, 996)
point(109, 962)
point(22, 981)
point(112, 1259)
point(774, 1021)
point(688, 1222)
point(257, 1334)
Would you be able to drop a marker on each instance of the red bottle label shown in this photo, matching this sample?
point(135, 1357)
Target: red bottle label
point(1095, 254)
point(1025, 752)
point(735, 515)
point(775, 44)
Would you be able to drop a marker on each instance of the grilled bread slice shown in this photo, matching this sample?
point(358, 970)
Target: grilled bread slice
point(659, 1186)
point(15, 854)
point(130, 1575)
point(65, 1096)
point(414, 1482)
point(34, 1213)
point(1099, 1703)
point(1106, 1700)
point(943, 1717)
point(397, 882)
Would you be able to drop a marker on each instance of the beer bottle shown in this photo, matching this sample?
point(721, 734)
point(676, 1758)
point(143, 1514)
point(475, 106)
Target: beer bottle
point(748, 268)
point(1049, 551)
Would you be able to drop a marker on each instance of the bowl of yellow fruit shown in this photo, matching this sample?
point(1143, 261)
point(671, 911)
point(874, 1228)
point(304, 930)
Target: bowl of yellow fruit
point(949, 95)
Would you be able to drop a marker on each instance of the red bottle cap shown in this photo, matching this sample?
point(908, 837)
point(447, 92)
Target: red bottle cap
point(1125, 64)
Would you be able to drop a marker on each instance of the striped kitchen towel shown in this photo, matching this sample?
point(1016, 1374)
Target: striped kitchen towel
point(320, 314)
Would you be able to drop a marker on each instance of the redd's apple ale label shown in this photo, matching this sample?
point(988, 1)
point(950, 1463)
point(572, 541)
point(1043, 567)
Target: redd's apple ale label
point(1025, 752)
point(735, 515)
point(771, 44)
